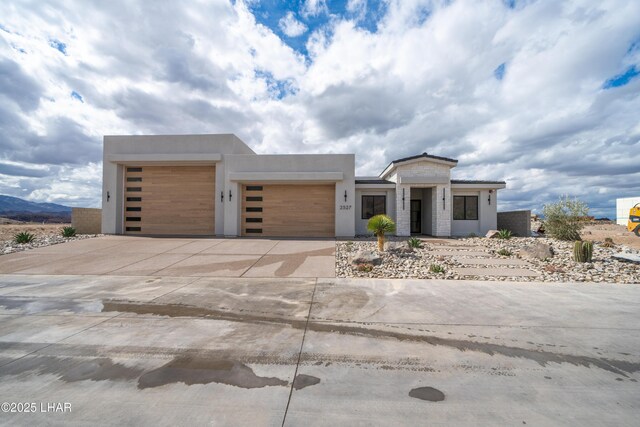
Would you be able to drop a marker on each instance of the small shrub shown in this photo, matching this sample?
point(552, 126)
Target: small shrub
point(564, 219)
point(472, 235)
point(504, 234)
point(504, 252)
point(608, 243)
point(24, 237)
point(364, 267)
point(436, 268)
point(414, 243)
point(68, 232)
point(608, 240)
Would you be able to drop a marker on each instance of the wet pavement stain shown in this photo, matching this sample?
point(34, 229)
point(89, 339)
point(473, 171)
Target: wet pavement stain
point(71, 369)
point(40, 305)
point(303, 381)
point(193, 370)
point(539, 356)
point(427, 393)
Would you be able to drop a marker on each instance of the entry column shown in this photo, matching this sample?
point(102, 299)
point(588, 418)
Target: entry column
point(403, 210)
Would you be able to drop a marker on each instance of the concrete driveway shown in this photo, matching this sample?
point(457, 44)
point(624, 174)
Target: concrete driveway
point(245, 351)
point(146, 256)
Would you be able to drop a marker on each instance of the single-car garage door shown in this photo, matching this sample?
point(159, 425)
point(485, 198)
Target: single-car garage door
point(165, 200)
point(288, 210)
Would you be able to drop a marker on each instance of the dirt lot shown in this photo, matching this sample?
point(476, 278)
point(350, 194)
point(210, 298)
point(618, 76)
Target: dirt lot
point(619, 234)
point(7, 231)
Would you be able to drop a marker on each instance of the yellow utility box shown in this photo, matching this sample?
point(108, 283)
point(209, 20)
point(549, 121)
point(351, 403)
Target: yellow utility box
point(634, 220)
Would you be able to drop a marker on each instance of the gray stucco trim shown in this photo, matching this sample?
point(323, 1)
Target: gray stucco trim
point(286, 176)
point(423, 180)
point(202, 158)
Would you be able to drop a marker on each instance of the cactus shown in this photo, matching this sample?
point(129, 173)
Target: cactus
point(578, 255)
point(587, 251)
point(582, 251)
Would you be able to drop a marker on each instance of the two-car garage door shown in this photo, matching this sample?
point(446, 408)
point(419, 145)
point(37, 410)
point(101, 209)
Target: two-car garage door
point(169, 200)
point(288, 210)
point(180, 200)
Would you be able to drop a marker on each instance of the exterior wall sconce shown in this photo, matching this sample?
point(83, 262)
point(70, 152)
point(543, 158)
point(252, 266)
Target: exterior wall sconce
point(108, 196)
point(444, 200)
point(222, 196)
point(490, 191)
point(345, 195)
point(403, 199)
point(229, 195)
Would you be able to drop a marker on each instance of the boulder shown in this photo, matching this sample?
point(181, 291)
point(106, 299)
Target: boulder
point(399, 247)
point(366, 257)
point(492, 234)
point(538, 250)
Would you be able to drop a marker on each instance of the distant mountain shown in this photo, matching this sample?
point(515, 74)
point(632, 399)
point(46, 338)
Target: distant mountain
point(23, 210)
point(14, 205)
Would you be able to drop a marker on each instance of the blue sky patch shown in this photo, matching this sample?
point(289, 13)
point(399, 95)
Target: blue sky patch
point(270, 12)
point(278, 89)
point(58, 45)
point(76, 95)
point(622, 79)
point(499, 72)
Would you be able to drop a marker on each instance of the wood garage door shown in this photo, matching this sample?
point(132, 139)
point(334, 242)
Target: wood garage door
point(288, 210)
point(165, 200)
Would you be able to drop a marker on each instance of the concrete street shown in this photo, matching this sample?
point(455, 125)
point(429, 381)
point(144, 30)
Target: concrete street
point(160, 350)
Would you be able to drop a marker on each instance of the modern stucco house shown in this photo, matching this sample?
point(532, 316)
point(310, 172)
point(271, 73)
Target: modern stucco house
point(217, 185)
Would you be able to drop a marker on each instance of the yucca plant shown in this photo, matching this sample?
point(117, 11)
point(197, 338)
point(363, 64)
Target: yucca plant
point(504, 234)
point(24, 237)
point(68, 231)
point(504, 252)
point(414, 243)
point(379, 225)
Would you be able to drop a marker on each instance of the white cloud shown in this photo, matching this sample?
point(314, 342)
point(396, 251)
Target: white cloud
point(290, 26)
point(423, 82)
point(314, 8)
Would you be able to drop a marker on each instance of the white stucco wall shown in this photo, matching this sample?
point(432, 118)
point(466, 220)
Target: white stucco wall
point(487, 213)
point(361, 224)
point(309, 169)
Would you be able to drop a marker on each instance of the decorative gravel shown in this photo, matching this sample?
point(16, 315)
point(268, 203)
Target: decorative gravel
point(10, 246)
point(560, 268)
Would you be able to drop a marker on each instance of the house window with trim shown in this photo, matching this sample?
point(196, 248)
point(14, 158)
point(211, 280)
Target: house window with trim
point(373, 205)
point(465, 208)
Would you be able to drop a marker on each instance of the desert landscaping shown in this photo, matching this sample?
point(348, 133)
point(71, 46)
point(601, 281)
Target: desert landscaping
point(44, 235)
point(480, 258)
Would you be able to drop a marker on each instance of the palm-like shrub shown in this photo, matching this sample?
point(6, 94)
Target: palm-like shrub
point(504, 234)
point(379, 225)
point(414, 243)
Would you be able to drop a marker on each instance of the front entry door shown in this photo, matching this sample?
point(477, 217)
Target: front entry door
point(416, 216)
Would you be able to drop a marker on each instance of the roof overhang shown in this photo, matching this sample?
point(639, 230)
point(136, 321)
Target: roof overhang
point(482, 186)
point(375, 186)
point(168, 159)
point(288, 177)
point(418, 159)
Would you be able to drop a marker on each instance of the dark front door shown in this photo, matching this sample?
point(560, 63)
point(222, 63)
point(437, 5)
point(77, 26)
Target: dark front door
point(416, 216)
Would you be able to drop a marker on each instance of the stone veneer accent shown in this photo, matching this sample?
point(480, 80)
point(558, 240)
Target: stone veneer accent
point(441, 225)
point(86, 220)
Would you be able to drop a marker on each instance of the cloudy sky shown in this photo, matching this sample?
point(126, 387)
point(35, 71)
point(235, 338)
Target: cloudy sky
point(543, 94)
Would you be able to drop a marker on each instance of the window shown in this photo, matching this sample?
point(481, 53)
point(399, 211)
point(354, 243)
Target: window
point(134, 169)
point(254, 187)
point(465, 208)
point(253, 209)
point(373, 205)
point(254, 199)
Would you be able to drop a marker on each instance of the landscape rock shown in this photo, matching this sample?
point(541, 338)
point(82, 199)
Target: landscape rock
point(366, 257)
point(492, 234)
point(539, 250)
point(627, 257)
point(399, 247)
